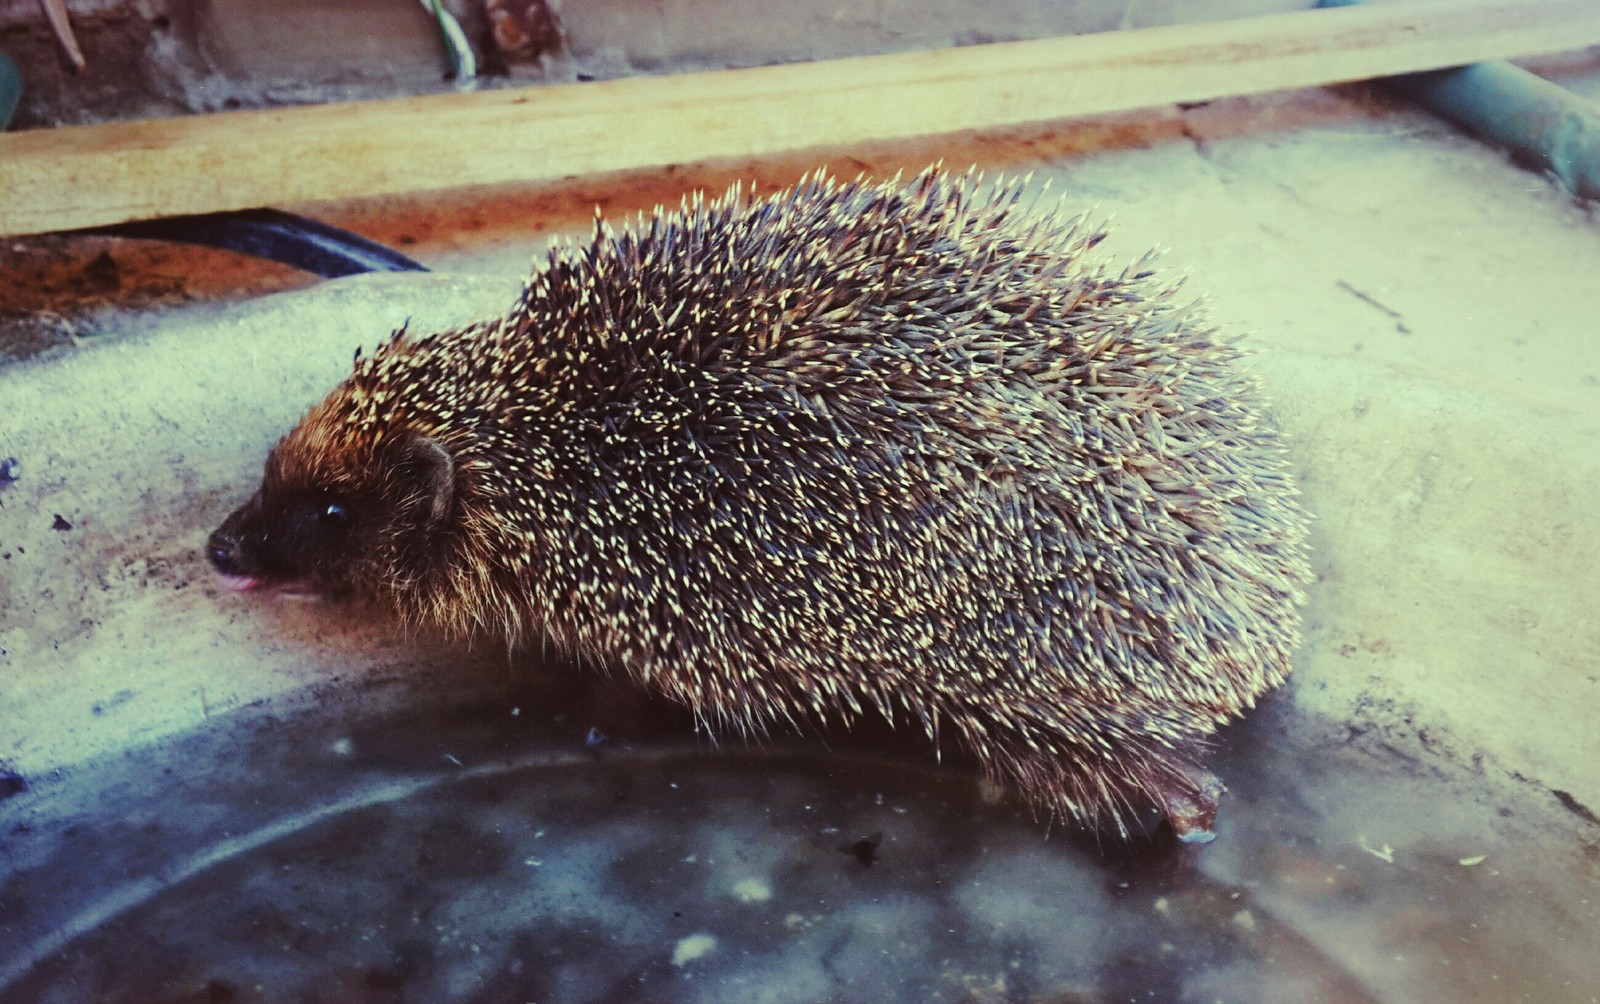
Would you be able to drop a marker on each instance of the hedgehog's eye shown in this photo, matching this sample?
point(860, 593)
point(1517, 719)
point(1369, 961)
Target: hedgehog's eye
point(333, 514)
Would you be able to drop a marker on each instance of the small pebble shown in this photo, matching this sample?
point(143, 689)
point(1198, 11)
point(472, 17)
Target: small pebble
point(752, 890)
point(693, 947)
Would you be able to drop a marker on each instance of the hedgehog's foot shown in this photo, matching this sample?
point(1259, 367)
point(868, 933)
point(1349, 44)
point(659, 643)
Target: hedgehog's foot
point(1191, 805)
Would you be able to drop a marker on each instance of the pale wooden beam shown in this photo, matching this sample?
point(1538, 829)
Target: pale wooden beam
point(78, 176)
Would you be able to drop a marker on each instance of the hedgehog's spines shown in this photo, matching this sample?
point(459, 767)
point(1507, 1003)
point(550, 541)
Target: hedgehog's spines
point(850, 446)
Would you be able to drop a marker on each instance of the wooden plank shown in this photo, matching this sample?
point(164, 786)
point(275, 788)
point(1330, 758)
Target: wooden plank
point(81, 176)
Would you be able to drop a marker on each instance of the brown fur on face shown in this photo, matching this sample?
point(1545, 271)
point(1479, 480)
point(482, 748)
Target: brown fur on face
point(333, 514)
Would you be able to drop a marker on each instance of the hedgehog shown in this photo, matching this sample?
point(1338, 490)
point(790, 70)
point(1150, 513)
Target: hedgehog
point(904, 449)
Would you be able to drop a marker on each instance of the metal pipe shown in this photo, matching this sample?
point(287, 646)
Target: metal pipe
point(1543, 125)
point(10, 89)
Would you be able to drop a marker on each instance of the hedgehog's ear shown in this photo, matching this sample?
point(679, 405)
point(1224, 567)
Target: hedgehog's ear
point(435, 472)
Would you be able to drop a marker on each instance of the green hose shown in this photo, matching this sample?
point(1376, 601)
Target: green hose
point(10, 89)
point(1544, 125)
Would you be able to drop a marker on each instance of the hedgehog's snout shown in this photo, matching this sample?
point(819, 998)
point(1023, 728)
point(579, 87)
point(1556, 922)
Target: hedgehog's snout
point(223, 551)
point(301, 542)
point(227, 553)
point(235, 548)
point(226, 557)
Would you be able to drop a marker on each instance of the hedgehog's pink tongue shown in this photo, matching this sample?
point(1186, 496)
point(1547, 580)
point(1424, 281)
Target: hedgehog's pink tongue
point(283, 587)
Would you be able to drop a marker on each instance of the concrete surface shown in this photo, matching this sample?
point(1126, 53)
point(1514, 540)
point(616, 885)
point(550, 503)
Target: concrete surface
point(1416, 818)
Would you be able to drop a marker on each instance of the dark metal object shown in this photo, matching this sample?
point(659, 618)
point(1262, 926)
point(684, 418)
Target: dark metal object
point(282, 237)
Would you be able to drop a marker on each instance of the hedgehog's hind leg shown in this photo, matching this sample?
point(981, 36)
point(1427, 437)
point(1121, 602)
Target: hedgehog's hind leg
point(1191, 805)
point(1172, 782)
point(1120, 792)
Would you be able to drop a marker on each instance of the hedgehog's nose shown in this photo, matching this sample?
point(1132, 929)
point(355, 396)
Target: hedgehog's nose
point(223, 549)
